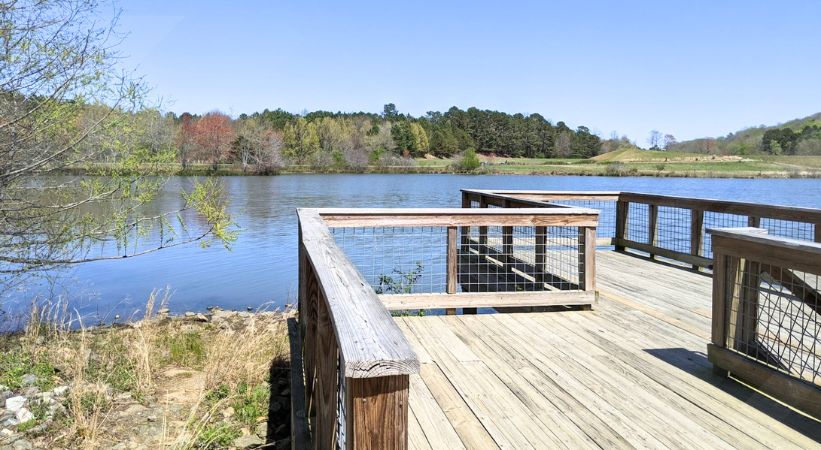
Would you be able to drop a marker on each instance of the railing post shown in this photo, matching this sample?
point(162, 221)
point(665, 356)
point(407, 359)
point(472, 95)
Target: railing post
point(696, 233)
point(377, 413)
point(652, 226)
point(482, 229)
point(622, 211)
point(719, 330)
point(540, 253)
point(507, 239)
point(587, 258)
point(452, 265)
point(466, 203)
point(817, 227)
point(753, 221)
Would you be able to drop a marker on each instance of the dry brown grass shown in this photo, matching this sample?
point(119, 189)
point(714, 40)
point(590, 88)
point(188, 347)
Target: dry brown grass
point(99, 363)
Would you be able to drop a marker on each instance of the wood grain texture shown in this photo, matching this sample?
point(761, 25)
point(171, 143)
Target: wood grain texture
point(615, 377)
point(804, 256)
point(803, 396)
point(398, 302)
point(446, 217)
point(377, 413)
point(377, 349)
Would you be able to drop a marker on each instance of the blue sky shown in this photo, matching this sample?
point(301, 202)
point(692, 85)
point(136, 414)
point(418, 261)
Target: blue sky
point(690, 68)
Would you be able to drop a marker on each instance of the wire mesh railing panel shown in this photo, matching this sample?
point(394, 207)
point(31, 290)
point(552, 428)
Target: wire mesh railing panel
point(773, 317)
point(638, 216)
point(397, 260)
point(521, 258)
point(790, 229)
point(414, 260)
point(607, 214)
point(719, 220)
point(673, 229)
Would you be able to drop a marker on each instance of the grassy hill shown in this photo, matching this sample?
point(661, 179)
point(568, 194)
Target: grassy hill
point(748, 141)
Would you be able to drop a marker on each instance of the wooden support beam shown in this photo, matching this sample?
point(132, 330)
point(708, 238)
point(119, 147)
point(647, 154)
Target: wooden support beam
point(452, 265)
point(817, 228)
point(397, 302)
point(652, 227)
point(587, 258)
point(377, 413)
point(466, 202)
point(300, 436)
point(540, 253)
point(507, 239)
point(797, 393)
point(622, 212)
point(483, 229)
point(753, 221)
point(666, 253)
point(696, 234)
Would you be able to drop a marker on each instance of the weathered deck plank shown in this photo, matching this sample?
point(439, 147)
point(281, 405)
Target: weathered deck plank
point(632, 373)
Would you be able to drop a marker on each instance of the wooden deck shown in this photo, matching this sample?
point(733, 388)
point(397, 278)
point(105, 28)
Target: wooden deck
point(631, 373)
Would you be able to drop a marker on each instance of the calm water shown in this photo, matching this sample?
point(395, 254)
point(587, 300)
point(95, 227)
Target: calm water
point(261, 266)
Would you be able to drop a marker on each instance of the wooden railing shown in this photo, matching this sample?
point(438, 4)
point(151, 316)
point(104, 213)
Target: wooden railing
point(661, 225)
point(356, 362)
point(766, 321)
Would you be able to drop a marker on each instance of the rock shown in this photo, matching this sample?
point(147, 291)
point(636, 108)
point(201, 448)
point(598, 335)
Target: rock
point(201, 318)
point(14, 404)
point(11, 422)
point(151, 418)
point(4, 394)
point(60, 390)
point(228, 412)
point(28, 380)
point(248, 441)
point(5, 432)
point(261, 430)
point(22, 444)
point(30, 391)
point(23, 415)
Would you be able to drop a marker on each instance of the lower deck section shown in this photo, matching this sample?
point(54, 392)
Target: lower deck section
point(630, 373)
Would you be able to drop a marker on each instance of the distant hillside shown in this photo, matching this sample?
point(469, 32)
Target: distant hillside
point(796, 137)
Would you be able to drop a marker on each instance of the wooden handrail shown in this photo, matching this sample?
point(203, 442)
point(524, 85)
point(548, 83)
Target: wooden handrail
point(356, 360)
point(744, 258)
point(455, 217)
point(378, 349)
point(653, 245)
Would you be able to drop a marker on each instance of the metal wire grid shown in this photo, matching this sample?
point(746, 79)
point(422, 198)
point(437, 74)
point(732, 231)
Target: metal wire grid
point(774, 318)
point(607, 214)
point(413, 260)
point(637, 222)
point(788, 228)
point(514, 259)
point(398, 260)
point(719, 220)
point(673, 229)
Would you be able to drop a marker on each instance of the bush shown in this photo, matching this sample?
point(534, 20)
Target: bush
point(470, 161)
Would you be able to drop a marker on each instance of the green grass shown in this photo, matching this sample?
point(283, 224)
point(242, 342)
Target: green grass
point(251, 403)
point(218, 435)
point(186, 349)
point(14, 363)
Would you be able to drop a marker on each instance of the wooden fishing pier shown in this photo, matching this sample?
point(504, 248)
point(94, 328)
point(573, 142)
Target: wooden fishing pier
point(535, 319)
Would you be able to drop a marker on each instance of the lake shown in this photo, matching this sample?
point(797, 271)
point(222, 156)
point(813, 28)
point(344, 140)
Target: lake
point(260, 268)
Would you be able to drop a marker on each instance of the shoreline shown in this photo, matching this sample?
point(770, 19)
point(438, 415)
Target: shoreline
point(579, 169)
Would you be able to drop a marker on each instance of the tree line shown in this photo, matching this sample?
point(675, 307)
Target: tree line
point(267, 140)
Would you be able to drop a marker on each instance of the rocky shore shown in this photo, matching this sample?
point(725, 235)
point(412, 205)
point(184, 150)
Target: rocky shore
point(197, 380)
